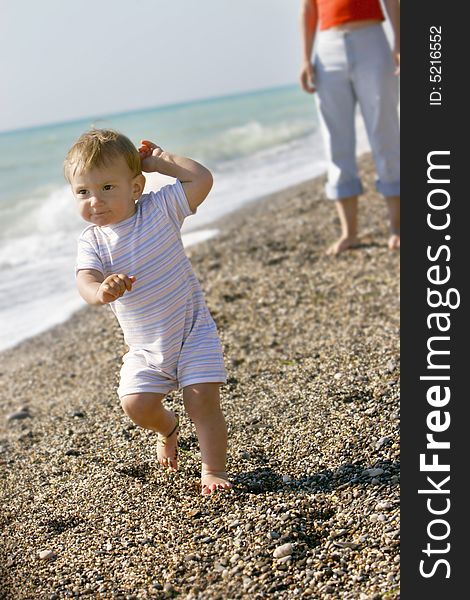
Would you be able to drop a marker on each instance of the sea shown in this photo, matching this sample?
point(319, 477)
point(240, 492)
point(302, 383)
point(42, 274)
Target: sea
point(254, 143)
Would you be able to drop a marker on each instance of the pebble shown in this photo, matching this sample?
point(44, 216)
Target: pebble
point(382, 517)
point(234, 524)
point(383, 506)
point(235, 558)
point(352, 545)
point(383, 441)
point(363, 538)
point(18, 415)
point(339, 533)
point(46, 554)
point(234, 570)
point(72, 452)
point(284, 550)
point(78, 414)
point(308, 591)
point(190, 557)
point(373, 472)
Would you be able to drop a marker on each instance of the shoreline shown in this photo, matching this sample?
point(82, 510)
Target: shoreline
point(217, 225)
point(214, 229)
point(312, 404)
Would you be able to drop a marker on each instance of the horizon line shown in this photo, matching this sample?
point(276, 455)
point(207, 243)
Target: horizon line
point(143, 109)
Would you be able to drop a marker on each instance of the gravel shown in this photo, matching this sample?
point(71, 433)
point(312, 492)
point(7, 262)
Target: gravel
point(312, 405)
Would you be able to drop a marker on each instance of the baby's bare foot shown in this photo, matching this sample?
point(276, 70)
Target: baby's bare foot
point(212, 481)
point(344, 243)
point(167, 448)
point(394, 241)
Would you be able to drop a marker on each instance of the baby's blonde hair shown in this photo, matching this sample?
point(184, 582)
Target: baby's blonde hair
point(96, 148)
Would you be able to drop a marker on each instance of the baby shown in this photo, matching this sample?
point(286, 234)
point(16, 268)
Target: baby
point(131, 257)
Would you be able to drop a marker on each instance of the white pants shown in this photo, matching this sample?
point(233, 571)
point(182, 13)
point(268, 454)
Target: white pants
point(356, 67)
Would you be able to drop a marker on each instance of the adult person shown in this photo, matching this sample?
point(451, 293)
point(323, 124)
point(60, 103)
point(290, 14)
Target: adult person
point(353, 64)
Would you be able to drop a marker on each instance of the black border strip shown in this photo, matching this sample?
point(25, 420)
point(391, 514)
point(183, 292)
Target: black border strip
point(434, 120)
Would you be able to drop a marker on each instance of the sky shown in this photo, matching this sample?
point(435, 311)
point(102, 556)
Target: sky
point(63, 60)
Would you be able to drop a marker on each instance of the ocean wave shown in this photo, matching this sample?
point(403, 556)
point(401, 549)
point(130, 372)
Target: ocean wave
point(46, 210)
point(249, 139)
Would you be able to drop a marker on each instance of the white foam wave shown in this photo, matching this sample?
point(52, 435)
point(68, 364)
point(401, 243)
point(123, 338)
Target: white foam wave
point(196, 237)
point(43, 229)
point(58, 213)
point(249, 138)
point(37, 254)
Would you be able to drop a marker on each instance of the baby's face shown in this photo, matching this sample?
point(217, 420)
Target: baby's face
point(107, 195)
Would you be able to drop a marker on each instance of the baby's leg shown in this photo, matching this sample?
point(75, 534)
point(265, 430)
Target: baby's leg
point(202, 403)
point(147, 410)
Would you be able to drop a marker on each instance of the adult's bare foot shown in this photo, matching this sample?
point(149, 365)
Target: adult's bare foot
point(394, 241)
point(167, 448)
point(341, 245)
point(212, 481)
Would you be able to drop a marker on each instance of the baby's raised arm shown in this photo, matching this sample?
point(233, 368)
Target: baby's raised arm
point(95, 289)
point(195, 178)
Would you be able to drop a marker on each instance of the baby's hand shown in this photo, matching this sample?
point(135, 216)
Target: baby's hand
point(149, 156)
point(113, 287)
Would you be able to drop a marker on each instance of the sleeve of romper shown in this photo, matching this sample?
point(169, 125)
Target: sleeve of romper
point(172, 200)
point(87, 254)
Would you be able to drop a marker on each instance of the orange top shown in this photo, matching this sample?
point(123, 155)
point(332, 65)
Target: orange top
point(337, 12)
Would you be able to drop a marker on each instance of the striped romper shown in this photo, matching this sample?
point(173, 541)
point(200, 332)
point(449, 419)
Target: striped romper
point(172, 338)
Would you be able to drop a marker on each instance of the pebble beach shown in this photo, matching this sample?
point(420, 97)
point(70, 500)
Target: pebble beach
point(312, 406)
